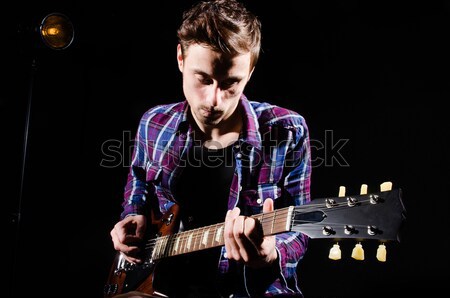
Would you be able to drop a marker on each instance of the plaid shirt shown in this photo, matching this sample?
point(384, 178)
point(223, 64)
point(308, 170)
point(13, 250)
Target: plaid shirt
point(272, 161)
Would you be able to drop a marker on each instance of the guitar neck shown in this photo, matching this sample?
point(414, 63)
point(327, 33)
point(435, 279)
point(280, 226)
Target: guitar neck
point(274, 222)
point(370, 216)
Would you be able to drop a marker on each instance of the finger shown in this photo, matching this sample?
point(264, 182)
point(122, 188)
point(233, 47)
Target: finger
point(230, 244)
point(126, 227)
point(140, 231)
point(120, 231)
point(253, 233)
point(140, 222)
point(254, 230)
point(268, 205)
point(241, 232)
point(265, 245)
point(131, 259)
point(123, 246)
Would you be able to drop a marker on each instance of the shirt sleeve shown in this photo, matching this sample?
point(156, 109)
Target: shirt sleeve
point(136, 188)
point(281, 277)
point(291, 246)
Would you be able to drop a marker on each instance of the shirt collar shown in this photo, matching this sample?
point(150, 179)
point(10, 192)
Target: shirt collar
point(183, 123)
point(251, 134)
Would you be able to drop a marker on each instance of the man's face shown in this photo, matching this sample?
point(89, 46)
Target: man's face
point(212, 83)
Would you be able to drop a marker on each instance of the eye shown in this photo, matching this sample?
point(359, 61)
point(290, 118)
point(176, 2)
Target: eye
point(204, 80)
point(228, 84)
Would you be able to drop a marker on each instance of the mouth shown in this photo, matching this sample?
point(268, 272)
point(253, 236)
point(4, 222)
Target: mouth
point(210, 113)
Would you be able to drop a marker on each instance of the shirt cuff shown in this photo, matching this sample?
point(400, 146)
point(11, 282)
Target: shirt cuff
point(258, 280)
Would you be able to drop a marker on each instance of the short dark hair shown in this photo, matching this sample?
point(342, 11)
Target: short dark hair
point(225, 26)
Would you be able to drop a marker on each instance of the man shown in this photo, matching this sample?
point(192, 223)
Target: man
point(220, 158)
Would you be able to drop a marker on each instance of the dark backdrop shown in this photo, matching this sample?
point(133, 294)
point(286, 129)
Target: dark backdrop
point(369, 77)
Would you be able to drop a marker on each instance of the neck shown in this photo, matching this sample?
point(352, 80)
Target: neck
point(224, 133)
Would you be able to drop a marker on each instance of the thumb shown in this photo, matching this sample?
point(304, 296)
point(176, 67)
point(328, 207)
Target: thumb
point(268, 205)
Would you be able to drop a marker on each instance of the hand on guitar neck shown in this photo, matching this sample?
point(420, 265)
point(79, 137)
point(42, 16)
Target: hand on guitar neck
point(245, 241)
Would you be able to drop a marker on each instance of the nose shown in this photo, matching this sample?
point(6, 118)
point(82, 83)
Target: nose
point(214, 95)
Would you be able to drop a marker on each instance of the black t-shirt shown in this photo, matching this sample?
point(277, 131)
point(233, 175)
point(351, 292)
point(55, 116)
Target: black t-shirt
point(202, 193)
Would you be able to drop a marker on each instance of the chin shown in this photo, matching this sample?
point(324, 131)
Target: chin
point(211, 122)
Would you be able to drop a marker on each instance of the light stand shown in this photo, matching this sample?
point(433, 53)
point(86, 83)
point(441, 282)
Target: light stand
point(57, 33)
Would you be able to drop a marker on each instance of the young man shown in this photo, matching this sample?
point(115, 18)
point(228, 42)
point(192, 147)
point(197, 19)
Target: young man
point(220, 158)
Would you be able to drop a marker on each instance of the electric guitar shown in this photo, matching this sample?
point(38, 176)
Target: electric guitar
point(366, 216)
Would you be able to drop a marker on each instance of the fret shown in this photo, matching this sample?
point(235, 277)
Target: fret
point(189, 241)
point(158, 245)
point(163, 246)
point(273, 221)
point(197, 238)
point(177, 243)
point(170, 245)
point(219, 236)
point(154, 249)
point(183, 242)
point(167, 243)
point(205, 237)
point(213, 235)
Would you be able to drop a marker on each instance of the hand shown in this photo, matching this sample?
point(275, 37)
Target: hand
point(244, 240)
point(127, 233)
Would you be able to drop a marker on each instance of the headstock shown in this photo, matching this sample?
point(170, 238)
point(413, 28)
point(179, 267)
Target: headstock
point(376, 215)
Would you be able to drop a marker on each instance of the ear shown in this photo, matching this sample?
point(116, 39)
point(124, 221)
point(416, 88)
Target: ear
point(180, 58)
point(250, 74)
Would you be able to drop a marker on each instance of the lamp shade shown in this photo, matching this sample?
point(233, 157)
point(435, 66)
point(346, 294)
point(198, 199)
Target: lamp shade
point(56, 31)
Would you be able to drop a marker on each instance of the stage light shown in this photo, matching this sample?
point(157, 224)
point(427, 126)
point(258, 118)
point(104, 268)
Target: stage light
point(57, 31)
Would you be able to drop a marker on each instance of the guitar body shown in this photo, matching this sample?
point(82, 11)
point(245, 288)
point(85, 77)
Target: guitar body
point(125, 277)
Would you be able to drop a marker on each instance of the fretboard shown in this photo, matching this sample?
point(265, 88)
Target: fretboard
point(272, 223)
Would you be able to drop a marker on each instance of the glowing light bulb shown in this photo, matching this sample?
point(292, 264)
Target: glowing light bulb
point(52, 31)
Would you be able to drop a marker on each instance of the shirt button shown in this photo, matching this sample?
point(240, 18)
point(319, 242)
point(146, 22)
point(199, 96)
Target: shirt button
point(240, 187)
point(259, 201)
point(239, 155)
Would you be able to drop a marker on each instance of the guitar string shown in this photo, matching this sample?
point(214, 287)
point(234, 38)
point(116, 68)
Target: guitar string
point(266, 218)
point(194, 234)
point(267, 221)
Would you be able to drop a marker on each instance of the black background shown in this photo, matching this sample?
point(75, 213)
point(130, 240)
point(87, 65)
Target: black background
point(372, 73)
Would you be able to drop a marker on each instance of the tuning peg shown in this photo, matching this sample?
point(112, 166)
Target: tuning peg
point(341, 191)
point(386, 186)
point(358, 252)
point(381, 253)
point(363, 190)
point(335, 252)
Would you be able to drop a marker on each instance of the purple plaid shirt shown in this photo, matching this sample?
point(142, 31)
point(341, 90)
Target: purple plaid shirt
point(272, 161)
